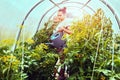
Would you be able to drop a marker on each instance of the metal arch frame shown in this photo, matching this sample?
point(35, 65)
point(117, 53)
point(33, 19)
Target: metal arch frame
point(116, 17)
point(19, 32)
point(66, 6)
point(60, 4)
point(84, 5)
point(43, 17)
point(118, 21)
point(48, 11)
point(113, 12)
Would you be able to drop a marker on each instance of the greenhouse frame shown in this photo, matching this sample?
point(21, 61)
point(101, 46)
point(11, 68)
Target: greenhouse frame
point(60, 40)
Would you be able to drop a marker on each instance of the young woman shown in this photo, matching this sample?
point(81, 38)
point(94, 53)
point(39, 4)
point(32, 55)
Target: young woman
point(64, 23)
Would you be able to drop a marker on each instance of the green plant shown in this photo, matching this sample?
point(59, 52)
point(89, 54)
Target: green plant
point(92, 52)
point(10, 65)
point(90, 47)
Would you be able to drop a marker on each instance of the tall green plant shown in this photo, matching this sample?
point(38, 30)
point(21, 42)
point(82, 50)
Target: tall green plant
point(92, 35)
point(9, 65)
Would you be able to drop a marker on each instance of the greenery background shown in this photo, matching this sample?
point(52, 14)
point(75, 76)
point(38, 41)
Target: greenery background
point(92, 52)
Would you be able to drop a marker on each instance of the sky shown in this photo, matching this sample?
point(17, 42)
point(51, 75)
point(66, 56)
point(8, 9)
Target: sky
point(12, 13)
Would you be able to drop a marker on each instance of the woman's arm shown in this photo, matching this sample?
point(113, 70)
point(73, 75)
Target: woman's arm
point(66, 30)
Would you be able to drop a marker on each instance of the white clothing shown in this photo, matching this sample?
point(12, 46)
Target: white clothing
point(64, 23)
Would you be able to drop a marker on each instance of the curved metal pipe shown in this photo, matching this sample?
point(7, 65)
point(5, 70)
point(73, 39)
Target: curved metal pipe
point(66, 6)
point(113, 12)
point(58, 5)
point(46, 14)
point(54, 3)
point(42, 18)
point(83, 5)
point(19, 32)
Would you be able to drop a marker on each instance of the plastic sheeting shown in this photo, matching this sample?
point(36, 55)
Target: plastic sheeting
point(13, 13)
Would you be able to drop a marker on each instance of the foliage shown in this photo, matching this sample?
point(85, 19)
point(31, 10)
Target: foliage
point(9, 65)
point(31, 60)
point(43, 35)
point(38, 62)
point(93, 50)
point(92, 35)
point(6, 42)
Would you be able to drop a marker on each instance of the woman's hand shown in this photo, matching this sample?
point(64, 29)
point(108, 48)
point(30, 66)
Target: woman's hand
point(66, 30)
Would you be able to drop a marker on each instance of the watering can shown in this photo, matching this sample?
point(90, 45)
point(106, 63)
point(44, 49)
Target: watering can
point(56, 40)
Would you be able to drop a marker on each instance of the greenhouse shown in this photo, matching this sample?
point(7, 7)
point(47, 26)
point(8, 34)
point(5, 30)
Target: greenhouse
point(60, 40)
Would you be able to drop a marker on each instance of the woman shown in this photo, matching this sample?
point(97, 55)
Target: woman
point(63, 25)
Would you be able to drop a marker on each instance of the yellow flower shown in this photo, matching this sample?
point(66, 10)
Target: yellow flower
point(7, 42)
point(35, 56)
point(30, 41)
point(10, 59)
point(66, 50)
point(42, 45)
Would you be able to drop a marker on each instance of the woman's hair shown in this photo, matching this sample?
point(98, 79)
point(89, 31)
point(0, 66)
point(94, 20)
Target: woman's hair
point(63, 10)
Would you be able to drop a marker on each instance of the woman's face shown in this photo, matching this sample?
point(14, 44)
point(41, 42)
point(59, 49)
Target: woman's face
point(61, 16)
point(56, 19)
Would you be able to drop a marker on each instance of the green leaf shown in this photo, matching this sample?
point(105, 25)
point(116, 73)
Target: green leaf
point(104, 71)
point(4, 70)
